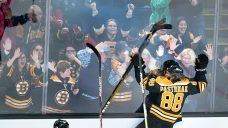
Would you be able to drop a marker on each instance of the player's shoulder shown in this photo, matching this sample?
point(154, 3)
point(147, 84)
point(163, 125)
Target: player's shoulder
point(183, 81)
point(163, 81)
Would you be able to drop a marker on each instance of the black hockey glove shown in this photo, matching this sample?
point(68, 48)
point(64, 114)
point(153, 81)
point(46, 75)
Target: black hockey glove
point(135, 60)
point(201, 63)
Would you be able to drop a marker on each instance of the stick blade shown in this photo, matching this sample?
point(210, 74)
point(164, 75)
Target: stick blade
point(94, 50)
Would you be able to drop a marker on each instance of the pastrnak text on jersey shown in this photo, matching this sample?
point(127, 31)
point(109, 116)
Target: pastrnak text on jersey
point(175, 88)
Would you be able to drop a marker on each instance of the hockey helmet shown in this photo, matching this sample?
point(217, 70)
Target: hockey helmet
point(171, 67)
point(61, 124)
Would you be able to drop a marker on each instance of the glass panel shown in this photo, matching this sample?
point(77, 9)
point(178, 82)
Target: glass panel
point(193, 23)
point(221, 90)
point(75, 23)
point(115, 33)
point(22, 40)
point(115, 27)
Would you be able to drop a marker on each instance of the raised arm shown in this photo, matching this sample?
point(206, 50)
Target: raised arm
point(148, 79)
point(34, 15)
point(200, 80)
point(16, 55)
point(135, 59)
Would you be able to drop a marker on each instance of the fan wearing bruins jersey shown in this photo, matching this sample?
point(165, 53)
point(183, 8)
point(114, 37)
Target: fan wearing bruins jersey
point(61, 90)
point(168, 91)
point(16, 78)
point(126, 93)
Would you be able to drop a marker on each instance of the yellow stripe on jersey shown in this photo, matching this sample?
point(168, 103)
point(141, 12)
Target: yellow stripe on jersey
point(55, 78)
point(16, 106)
point(71, 81)
point(164, 81)
point(123, 93)
point(162, 118)
point(18, 101)
point(145, 82)
point(145, 79)
point(166, 113)
point(54, 110)
point(121, 100)
point(10, 71)
point(19, 104)
point(183, 81)
point(202, 86)
point(122, 97)
point(165, 116)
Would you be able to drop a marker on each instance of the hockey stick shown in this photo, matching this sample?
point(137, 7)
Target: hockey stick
point(100, 80)
point(159, 25)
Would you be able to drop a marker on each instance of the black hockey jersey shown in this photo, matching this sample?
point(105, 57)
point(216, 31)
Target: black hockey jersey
point(166, 98)
point(60, 95)
point(18, 86)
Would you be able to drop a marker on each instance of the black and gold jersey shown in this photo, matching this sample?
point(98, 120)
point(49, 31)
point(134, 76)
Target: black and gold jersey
point(166, 98)
point(60, 95)
point(125, 93)
point(18, 86)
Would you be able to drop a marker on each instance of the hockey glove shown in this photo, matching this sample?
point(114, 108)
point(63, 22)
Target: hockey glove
point(135, 60)
point(201, 63)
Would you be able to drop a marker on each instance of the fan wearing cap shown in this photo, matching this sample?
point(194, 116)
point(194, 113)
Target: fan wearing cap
point(124, 95)
point(88, 78)
point(168, 90)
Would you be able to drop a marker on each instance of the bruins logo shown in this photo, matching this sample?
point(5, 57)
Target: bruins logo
point(62, 97)
point(22, 87)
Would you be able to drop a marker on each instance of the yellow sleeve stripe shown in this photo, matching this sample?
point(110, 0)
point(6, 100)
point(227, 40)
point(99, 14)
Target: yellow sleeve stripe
point(145, 82)
point(202, 86)
point(145, 79)
point(32, 70)
point(9, 74)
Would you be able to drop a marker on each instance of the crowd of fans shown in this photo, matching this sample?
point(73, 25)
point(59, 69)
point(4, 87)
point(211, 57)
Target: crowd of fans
point(114, 27)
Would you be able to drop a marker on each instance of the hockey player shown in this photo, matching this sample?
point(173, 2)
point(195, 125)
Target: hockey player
point(168, 90)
